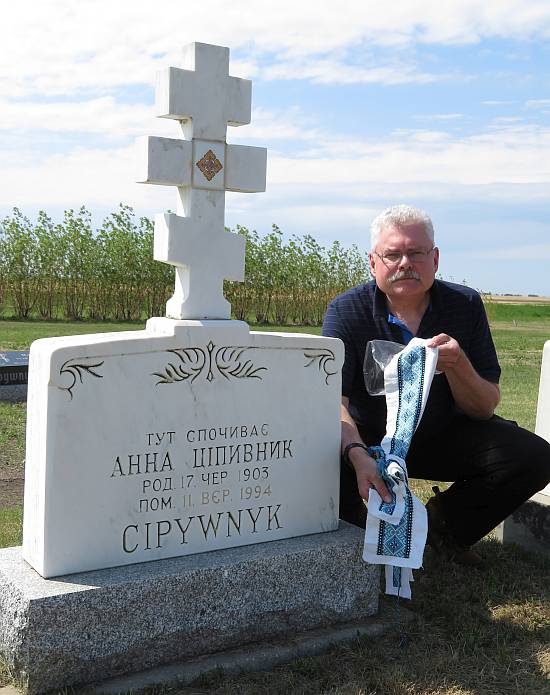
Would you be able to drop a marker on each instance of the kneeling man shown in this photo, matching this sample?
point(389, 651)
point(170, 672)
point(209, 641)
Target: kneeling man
point(494, 465)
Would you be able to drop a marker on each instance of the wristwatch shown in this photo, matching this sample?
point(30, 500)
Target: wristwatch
point(349, 447)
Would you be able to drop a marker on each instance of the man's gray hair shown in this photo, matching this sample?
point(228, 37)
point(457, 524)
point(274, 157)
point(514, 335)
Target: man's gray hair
point(400, 216)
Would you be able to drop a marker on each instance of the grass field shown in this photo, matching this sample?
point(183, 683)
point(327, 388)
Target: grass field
point(472, 633)
point(520, 313)
point(18, 335)
point(10, 527)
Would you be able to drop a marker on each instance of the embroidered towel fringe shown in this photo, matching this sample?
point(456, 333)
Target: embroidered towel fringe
point(396, 531)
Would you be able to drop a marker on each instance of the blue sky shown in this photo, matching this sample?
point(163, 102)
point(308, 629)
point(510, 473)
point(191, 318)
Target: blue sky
point(360, 104)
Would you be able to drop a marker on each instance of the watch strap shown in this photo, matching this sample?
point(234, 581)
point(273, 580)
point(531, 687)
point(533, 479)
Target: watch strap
point(349, 447)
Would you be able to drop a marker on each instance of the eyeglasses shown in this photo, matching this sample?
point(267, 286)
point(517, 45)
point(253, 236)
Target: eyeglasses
point(395, 257)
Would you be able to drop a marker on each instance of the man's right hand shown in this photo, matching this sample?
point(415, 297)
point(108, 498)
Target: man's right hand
point(366, 470)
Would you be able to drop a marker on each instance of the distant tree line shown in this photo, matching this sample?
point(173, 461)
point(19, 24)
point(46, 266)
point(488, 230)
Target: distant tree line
point(67, 270)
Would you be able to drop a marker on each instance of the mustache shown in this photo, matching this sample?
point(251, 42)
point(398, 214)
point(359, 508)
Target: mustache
point(404, 275)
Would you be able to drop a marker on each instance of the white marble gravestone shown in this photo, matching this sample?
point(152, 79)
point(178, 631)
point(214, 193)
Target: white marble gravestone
point(542, 426)
point(182, 438)
point(194, 434)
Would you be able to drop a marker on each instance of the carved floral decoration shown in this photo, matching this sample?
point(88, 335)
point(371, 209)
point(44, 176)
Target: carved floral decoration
point(226, 361)
point(77, 370)
point(322, 358)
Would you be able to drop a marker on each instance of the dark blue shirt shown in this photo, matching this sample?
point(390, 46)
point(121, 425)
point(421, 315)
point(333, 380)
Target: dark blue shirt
point(361, 314)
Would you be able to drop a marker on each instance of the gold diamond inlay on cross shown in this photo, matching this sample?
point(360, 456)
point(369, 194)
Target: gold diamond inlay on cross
point(209, 165)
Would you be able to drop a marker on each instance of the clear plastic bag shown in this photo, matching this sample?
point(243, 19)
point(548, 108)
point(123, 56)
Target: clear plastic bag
point(378, 354)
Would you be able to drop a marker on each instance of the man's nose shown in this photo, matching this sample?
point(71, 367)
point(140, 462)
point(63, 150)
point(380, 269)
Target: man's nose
point(404, 262)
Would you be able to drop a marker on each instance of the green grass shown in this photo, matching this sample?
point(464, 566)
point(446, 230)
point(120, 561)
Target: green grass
point(313, 330)
point(11, 521)
point(18, 335)
point(520, 356)
point(471, 633)
point(12, 435)
point(520, 313)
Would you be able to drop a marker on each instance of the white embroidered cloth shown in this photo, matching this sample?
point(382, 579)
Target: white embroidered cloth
point(396, 531)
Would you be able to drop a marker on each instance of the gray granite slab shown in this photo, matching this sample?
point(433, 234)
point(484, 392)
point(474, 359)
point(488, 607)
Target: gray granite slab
point(261, 656)
point(85, 627)
point(13, 394)
point(529, 525)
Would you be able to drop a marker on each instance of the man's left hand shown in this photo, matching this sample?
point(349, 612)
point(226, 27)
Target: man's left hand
point(450, 352)
point(474, 395)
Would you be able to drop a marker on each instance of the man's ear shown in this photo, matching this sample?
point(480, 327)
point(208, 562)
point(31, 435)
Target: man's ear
point(436, 259)
point(372, 264)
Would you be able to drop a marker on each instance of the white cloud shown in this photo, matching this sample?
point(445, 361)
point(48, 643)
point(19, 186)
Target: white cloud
point(508, 155)
point(58, 47)
point(441, 117)
point(84, 177)
point(504, 120)
point(101, 115)
point(537, 103)
point(331, 71)
point(104, 116)
point(514, 154)
point(326, 218)
point(528, 252)
point(278, 124)
point(83, 52)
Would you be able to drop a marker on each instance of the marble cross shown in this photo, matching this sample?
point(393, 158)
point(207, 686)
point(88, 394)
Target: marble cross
point(205, 99)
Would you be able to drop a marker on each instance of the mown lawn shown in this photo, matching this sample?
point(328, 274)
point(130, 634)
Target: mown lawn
point(10, 527)
point(18, 335)
point(520, 355)
point(472, 633)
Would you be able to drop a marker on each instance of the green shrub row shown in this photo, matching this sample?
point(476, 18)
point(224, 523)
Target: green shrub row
point(69, 271)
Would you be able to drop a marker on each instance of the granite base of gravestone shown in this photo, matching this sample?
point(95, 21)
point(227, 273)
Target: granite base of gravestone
point(86, 627)
point(529, 525)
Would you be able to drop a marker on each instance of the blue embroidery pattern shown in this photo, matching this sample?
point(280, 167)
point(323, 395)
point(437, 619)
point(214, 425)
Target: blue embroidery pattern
point(395, 540)
point(410, 374)
point(396, 531)
point(396, 577)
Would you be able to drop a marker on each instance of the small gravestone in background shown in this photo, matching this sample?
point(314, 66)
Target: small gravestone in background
point(190, 436)
point(14, 372)
point(529, 525)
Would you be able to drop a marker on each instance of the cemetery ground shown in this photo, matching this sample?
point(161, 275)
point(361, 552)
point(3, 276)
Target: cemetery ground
point(470, 632)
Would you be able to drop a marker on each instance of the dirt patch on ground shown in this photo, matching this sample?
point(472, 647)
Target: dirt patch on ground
point(11, 489)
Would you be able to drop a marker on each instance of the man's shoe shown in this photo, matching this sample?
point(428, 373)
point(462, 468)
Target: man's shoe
point(437, 526)
point(440, 539)
point(466, 557)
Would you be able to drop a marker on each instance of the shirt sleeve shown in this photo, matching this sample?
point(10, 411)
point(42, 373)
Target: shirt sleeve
point(334, 326)
point(482, 352)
